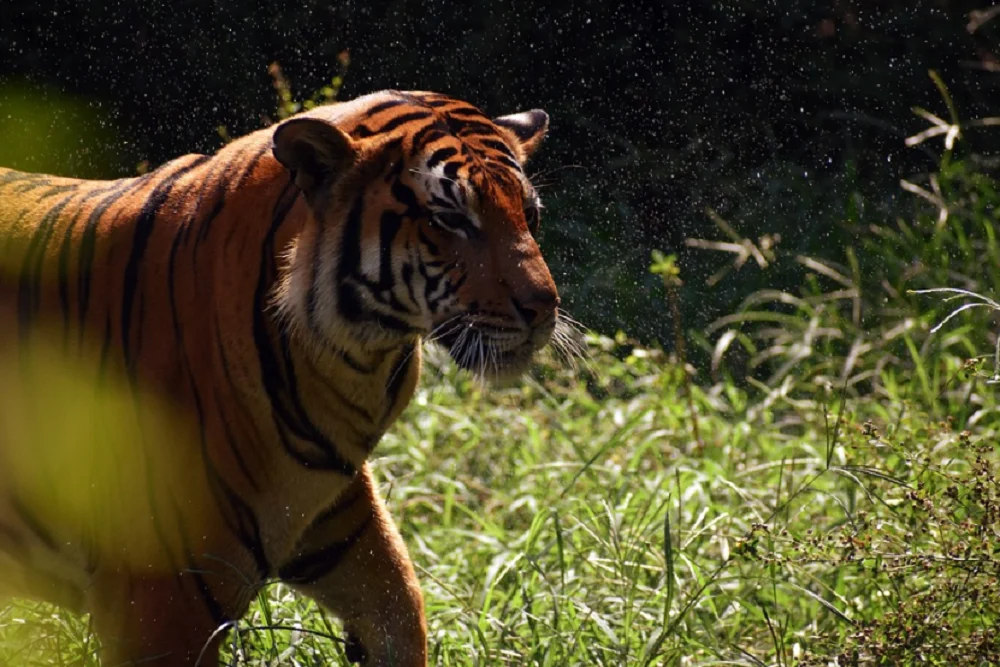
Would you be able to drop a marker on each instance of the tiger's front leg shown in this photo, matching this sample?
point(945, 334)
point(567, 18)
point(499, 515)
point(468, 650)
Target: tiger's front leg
point(353, 561)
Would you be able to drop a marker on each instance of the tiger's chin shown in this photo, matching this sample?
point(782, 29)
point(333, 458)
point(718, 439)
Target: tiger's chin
point(492, 364)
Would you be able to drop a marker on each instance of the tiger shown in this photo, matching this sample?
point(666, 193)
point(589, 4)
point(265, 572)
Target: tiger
point(272, 298)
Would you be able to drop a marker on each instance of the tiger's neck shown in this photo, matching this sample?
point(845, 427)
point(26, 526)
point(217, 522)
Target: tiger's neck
point(328, 407)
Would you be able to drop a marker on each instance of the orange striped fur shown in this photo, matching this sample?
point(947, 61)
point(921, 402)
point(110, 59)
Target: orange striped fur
point(262, 311)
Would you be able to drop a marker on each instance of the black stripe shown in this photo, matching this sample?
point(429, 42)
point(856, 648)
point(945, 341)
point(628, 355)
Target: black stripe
point(427, 134)
point(215, 610)
point(354, 364)
point(223, 185)
point(65, 253)
point(510, 163)
point(397, 376)
point(195, 571)
point(244, 524)
point(440, 102)
point(246, 417)
point(455, 193)
point(442, 203)
point(29, 291)
point(387, 321)
point(455, 285)
point(346, 500)
point(362, 131)
point(348, 301)
point(33, 524)
point(56, 190)
point(406, 196)
point(431, 284)
point(296, 418)
point(88, 243)
point(219, 191)
point(451, 170)
point(474, 127)
point(450, 288)
point(500, 146)
point(440, 155)
point(233, 443)
point(310, 567)
point(468, 111)
point(15, 176)
point(277, 367)
point(350, 242)
point(432, 247)
point(143, 231)
point(181, 236)
point(382, 106)
point(389, 225)
point(333, 388)
point(389, 151)
point(406, 275)
point(28, 186)
point(403, 119)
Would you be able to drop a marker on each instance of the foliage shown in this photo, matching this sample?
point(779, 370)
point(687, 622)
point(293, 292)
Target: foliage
point(860, 320)
point(287, 106)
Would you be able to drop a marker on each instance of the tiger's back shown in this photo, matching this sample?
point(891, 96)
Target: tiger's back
point(101, 278)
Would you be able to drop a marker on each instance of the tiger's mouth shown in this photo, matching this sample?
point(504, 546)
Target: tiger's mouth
point(491, 353)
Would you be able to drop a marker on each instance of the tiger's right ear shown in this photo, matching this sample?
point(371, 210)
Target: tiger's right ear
point(314, 150)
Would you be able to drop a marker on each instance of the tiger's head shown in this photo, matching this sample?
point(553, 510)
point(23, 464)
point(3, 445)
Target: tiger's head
point(422, 225)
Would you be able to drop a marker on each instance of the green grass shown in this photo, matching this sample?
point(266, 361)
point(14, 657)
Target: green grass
point(576, 520)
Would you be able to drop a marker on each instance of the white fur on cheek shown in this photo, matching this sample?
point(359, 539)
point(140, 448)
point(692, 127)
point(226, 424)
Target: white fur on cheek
point(371, 259)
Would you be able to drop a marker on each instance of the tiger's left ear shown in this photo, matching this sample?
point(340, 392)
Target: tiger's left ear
point(315, 151)
point(529, 128)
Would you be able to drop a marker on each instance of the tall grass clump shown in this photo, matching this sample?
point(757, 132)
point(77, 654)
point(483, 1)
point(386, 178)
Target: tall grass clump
point(900, 330)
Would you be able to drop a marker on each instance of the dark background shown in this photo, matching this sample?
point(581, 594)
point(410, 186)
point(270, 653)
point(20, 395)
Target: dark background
point(785, 116)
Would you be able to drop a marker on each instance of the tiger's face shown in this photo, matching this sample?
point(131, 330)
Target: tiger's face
point(425, 231)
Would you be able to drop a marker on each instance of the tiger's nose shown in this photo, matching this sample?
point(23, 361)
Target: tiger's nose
point(538, 310)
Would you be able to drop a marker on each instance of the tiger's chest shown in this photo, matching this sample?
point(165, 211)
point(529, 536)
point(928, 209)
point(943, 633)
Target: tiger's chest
point(282, 455)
